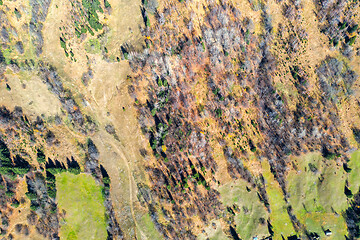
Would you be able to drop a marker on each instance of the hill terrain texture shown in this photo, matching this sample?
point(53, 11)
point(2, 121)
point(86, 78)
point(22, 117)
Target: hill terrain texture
point(179, 119)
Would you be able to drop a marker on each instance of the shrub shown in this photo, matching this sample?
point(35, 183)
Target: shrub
point(107, 4)
point(103, 192)
point(62, 43)
point(346, 168)
point(52, 192)
point(17, 13)
point(54, 171)
point(74, 170)
point(31, 196)
point(353, 28)
point(9, 193)
point(5, 170)
point(352, 40)
point(20, 171)
point(41, 158)
point(106, 180)
point(34, 207)
point(348, 192)
point(218, 113)
point(343, 25)
point(312, 167)
point(15, 204)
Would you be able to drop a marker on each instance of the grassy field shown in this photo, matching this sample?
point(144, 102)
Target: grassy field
point(28, 91)
point(248, 224)
point(318, 204)
point(213, 232)
point(148, 227)
point(354, 176)
point(93, 46)
point(279, 217)
point(317, 198)
point(82, 201)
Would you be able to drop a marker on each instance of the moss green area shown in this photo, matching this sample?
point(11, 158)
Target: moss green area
point(279, 217)
point(93, 46)
point(354, 176)
point(251, 209)
point(92, 7)
point(213, 232)
point(316, 222)
point(7, 55)
point(82, 201)
point(317, 194)
point(148, 227)
point(29, 54)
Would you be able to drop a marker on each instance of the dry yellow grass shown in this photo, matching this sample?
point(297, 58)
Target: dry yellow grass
point(29, 92)
point(19, 216)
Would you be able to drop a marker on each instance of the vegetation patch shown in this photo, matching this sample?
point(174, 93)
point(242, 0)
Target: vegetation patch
point(213, 232)
point(252, 216)
point(86, 16)
point(279, 218)
point(81, 199)
point(354, 168)
point(317, 194)
point(148, 227)
point(93, 46)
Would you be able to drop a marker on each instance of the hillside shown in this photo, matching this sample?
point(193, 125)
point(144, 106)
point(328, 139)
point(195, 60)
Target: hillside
point(179, 119)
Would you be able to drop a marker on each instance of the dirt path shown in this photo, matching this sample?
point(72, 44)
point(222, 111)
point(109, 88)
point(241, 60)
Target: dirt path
point(106, 94)
point(127, 152)
point(132, 182)
point(105, 139)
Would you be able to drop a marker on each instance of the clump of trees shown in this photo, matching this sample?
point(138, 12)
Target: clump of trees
point(40, 156)
point(39, 11)
point(73, 166)
point(85, 19)
point(336, 79)
point(12, 167)
point(41, 193)
point(352, 216)
point(79, 121)
point(336, 21)
point(222, 53)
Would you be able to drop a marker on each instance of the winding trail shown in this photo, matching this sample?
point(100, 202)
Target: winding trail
point(131, 182)
point(107, 139)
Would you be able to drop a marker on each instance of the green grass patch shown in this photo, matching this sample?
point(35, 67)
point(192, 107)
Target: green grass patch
point(7, 53)
point(81, 198)
point(279, 217)
point(148, 227)
point(317, 196)
point(354, 176)
point(251, 209)
point(93, 46)
point(316, 222)
point(213, 233)
point(321, 190)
